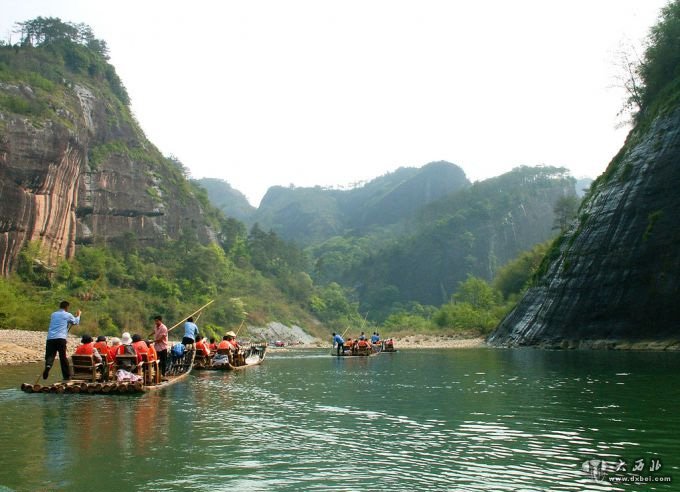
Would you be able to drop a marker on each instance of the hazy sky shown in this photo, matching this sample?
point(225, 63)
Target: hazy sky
point(267, 92)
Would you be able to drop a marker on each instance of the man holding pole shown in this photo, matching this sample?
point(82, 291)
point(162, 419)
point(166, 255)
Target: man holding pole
point(57, 334)
point(161, 342)
point(337, 339)
point(190, 332)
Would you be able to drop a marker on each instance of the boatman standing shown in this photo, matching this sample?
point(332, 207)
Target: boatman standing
point(190, 332)
point(57, 334)
point(161, 342)
point(337, 339)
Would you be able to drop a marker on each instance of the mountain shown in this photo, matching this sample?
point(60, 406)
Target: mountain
point(473, 231)
point(613, 279)
point(314, 214)
point(74, 165)
point(229, 200)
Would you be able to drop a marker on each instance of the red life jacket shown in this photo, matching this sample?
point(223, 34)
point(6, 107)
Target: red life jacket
point(101, 347)
point(85, 349)
point(153, 355)
point(224, 345)
point(111, 353)
point(140, 348)
point(201, 346)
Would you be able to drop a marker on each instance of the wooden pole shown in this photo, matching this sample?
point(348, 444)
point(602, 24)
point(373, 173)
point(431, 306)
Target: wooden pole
point(197, 311)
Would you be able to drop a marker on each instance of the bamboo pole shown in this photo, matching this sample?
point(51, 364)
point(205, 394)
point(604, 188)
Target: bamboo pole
point(185, 318)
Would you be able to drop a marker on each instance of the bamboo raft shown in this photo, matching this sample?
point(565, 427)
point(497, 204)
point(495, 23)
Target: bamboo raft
point(254, 355)
point(177, 371)
point(357, 351)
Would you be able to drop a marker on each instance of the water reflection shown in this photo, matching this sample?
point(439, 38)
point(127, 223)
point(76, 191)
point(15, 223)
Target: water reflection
point(432, 420)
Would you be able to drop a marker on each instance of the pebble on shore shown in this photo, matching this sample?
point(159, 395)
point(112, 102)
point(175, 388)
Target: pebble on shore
point(23, 346)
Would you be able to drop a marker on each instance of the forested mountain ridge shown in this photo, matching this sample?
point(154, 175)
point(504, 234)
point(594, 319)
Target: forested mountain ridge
point(470, 232)
point(312, 215)
point(612, 280)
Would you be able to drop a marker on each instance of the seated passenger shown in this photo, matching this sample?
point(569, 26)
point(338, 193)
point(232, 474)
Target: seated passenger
point(231, 338)
point(87, 348)
point(101, 345)
point(212, 345)
point(113, 349)
point(140, 346)
point(224, 344)
point(201, 346)
point(153, 355)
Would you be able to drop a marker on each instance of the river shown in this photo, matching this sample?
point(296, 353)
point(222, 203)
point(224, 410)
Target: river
point(473, 419)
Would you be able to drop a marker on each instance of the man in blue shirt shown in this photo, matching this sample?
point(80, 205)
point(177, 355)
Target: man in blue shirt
point(375, 338)
point(190, 332)
point(337, 339)
point(57, 334)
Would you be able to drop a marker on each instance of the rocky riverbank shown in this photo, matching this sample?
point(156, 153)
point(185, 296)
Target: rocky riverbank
point(21, 346)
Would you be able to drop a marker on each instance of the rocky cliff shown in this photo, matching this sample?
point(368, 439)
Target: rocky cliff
point(75, 167)
point(613, 280)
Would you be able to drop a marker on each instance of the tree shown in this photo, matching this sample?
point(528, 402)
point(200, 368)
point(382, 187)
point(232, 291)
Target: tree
point(476, 292)
point(565, 210)
point(661, 61)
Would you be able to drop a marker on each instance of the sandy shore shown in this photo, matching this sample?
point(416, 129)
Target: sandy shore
point(21, 347)
point(428, 342)
point(417, 342)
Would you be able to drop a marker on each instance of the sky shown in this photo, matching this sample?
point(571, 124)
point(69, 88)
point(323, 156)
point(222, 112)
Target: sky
point(313, 92)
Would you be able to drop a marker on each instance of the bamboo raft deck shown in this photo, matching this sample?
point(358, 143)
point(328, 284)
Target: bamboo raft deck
point(177, 371)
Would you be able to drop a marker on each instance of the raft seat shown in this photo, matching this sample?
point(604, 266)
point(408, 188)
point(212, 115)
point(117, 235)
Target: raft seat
point(86, 368)
point(129, 363)
point(151, 370)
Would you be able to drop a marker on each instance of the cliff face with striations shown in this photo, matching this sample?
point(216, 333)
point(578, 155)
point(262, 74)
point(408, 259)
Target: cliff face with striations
point(614, 279)
point(76, 169)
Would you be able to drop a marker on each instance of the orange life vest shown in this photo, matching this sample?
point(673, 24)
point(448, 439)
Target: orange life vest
point(101, 347)
point(85, 349)
point(224, 345)
point(140, 348)
point(153, 355)
point(201, 346)
point(111, 353)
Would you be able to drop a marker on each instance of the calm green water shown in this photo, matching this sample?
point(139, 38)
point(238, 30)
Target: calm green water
point(431, 420)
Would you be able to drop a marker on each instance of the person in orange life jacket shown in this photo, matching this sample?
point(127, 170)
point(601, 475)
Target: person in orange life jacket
point(153, 355)
point(56, 339)
point(212, 345)
point(140, 346)
point(101, 345)
point(202, 346)
point(113, 349)
point(87, 347)
point(224, 344)
point(231, 338)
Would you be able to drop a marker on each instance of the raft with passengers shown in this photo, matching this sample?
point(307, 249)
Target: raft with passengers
point(359, 347)
point(126, 365)
point(228, 355)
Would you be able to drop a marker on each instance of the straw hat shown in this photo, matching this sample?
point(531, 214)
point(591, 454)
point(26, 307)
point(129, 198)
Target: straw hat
point(126, 339)
point(230, 334)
